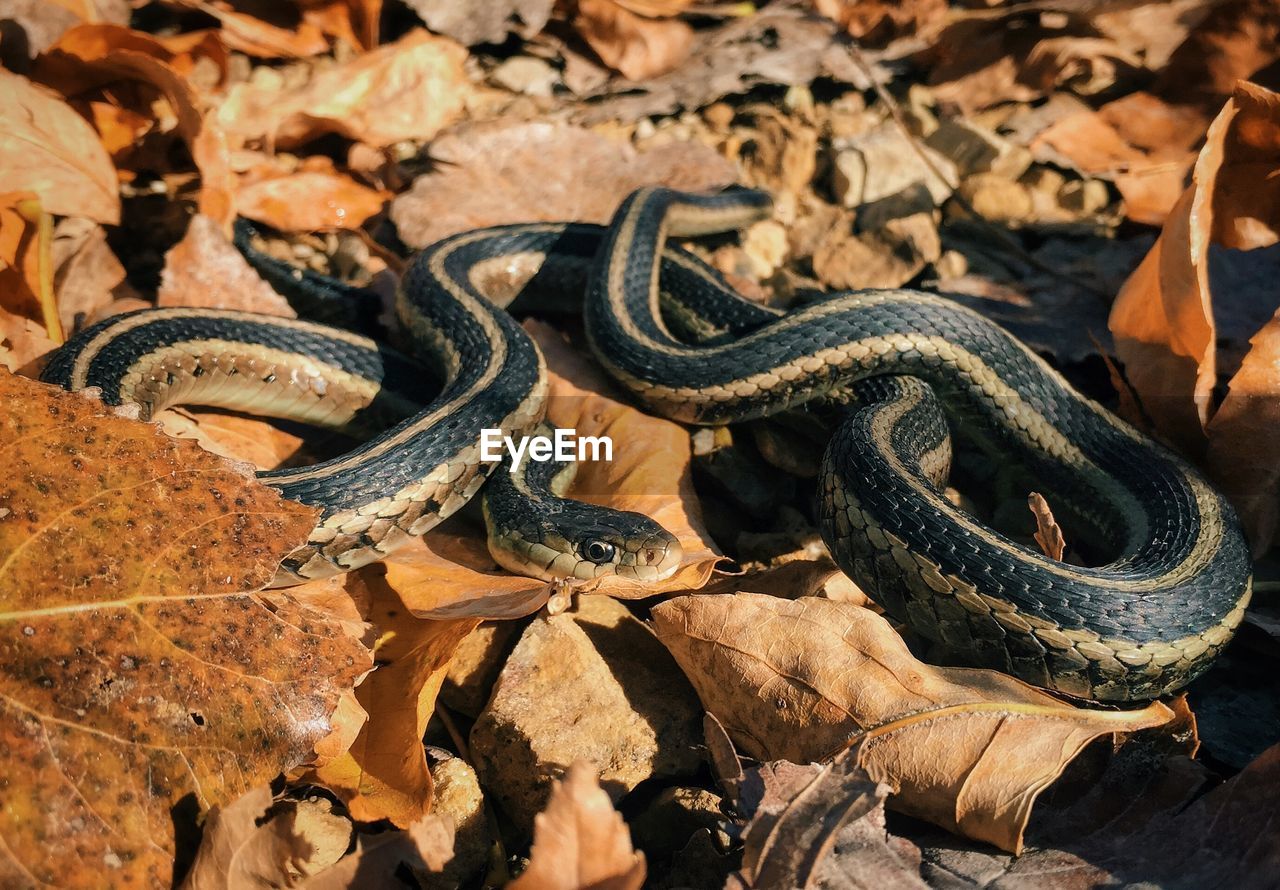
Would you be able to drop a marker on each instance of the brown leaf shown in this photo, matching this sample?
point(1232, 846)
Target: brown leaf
point(1232, 41)
point(231, 435)
point(796, 680)
point(819, 825)
point(1048, 533)
point(137, 671)
point(22, 342)
point(580, 842)
point(379, 860)
point(410, 89)
point(650, 471)
point(255, 37)
point(1170, 319)
point(205, 269)
point(251, 843)
point(385, 774)
point(879, 21)
point(87, 275)
point(26, 261)
point(309, 200)
point(47, 148)
point(488, 22)
point(527, 172)
point(89, 56)
point(635, 46)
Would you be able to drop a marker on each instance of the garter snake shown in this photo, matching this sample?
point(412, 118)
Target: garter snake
point(1144, 624)
point(408, 478)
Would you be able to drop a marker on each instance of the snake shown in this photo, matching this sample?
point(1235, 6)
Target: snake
point(906, 366)
point(471, 367)
point(902, 368)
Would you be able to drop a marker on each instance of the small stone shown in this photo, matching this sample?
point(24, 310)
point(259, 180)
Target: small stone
point(719, 116)
point(917, 233)
point(457, 795)
point(848, 117)
point(883, 162)
point(592, 684)
point(996, 198)
point(1084, 196)
point(765, 245)
point(952, 264)
point(978, 150)
point(527, 75)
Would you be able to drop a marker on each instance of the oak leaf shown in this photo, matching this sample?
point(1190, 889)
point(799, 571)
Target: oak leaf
point(410, 89)
point(580, 842)
point(798, 680)
point(46, 148)
point(138, 665)
point(1174, 323)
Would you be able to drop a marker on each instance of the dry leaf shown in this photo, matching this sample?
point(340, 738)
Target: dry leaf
point(650, 471)
point(409, 89)
point(796, 680)
point(526, 172)
point(637, 47)
point(205, 269)
point(1048, 533)
point(137, 671)
point(87, 275)
point(46, 148)
point(1170, 319)
point(1231, 41)
point(22, 341)
point(580, 842)
point(255, 37)
point(877, 22)
point(380, 860)
point(249, 843)
point(385, 774)
point(819, 826)
point(309, 200)
point(230, 435)
point(89, 56)
point(26, 261)
point(488, 22)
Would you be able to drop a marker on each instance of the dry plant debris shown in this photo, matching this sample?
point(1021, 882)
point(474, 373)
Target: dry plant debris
point(1098, 177)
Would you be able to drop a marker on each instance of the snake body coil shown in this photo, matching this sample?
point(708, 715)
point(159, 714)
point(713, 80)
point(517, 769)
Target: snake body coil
point(1146, 623)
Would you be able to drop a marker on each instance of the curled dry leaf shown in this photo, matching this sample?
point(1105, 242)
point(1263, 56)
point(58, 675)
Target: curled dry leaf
point(820, 826)
point(526, 172)
point(966, 749)
point(636, 46)
point(1172, 316)
point(580, 842)
point(309, 200)
point(879, 21)
point(137, 669)
point(250, 843)
point(205, 269)
point(380, 860)
point(409, 89)
point(255, 37)
point(1048, 533)
point(385, 775)
point(26, 261)
point(87, 275)
point(89, 56)
point(48, 149)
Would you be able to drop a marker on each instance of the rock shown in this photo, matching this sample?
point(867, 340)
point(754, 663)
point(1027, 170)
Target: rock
point(592, 684)
point(765, 245)
point(848, 117)
point(999, 199)
point(916, 234)
point(458, 796)
point(668, 823)
point(975, 149)
point(476, 665)
point(1045, 183)
point(883, 162)
point(527, 75)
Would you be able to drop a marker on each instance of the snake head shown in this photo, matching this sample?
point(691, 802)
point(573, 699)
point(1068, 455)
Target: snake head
point(633, 547)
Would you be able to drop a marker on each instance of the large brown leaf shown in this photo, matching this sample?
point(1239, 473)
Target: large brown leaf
point(47, 148)
point(135, 669)
point(798, 680)
point(1174, 315)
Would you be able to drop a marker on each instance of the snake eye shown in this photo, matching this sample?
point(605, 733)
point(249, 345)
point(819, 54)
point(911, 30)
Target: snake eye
point(599, 551)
